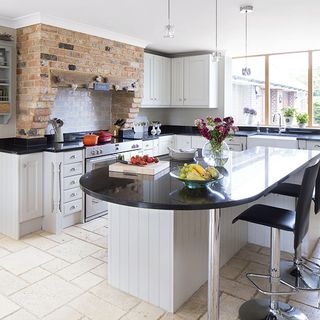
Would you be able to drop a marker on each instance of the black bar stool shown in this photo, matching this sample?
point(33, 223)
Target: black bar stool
point(279, 219)
point(302, 273)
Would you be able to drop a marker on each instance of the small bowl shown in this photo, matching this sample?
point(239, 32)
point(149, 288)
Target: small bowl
point(194, 184)
point(182, 155)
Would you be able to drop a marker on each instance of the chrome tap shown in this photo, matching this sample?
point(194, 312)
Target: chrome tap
point(280, 128)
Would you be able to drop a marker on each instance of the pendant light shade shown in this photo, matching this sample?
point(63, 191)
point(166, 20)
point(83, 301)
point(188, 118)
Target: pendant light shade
point(246, 71)
point(169, 28)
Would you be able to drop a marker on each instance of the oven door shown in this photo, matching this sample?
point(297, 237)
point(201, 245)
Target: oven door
point(94, 207)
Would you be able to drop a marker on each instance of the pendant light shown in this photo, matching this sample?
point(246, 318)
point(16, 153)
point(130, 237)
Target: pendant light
point(245, 10)
point(169, 28)
point(216, 54)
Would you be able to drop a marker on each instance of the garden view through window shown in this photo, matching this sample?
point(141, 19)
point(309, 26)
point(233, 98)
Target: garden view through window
point(287, 75)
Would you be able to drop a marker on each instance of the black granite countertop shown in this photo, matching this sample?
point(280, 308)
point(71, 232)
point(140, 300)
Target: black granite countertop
point(271, 166)
point(11, 146)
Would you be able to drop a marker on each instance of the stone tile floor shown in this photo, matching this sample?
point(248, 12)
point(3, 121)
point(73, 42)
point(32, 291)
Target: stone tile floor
point(63, 277)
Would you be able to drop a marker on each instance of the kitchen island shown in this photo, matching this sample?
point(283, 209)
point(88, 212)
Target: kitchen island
point(159, 241)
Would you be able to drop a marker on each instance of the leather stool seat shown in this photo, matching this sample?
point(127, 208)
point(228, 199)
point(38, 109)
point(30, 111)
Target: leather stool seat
point(269, 216)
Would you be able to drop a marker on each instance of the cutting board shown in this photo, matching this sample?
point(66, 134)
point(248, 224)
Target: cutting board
point(150, 168)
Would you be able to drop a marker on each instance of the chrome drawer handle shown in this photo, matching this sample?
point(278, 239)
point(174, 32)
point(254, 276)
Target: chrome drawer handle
point(73, 207)
point(73, 169)
point(317, 146)
point(73, 195)
point(73, 182)
point(73, 157)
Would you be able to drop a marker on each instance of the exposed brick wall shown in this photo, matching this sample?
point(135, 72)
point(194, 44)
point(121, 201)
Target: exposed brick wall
point(41, 47)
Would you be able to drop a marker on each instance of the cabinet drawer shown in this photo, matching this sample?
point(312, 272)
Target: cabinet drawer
point(72, 169)
point(235, 147)
point(147, 145)
point(71, 182)
point(72, 194)
point(72, 156)
point(72, 207)
point(313, 145)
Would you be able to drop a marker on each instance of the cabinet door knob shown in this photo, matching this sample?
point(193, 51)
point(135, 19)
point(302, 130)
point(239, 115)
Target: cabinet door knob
point(73, 182)
point(73, 169)
point(73, 207)
point(73, 157)
point(72, 195)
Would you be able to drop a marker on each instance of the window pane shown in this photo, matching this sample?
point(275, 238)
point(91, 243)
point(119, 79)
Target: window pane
point(288, 82)
point(316, 88)
point(248, 92)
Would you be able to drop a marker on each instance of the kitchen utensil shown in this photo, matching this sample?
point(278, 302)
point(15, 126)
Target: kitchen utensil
point(104, 137)
point(194, 184)
point(90, 139)
point(57, 125)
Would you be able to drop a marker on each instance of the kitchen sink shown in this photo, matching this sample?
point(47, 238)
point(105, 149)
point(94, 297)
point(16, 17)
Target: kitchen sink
point(273, 140)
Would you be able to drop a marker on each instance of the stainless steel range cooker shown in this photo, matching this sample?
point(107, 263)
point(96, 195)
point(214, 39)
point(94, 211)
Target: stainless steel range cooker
point(102, 156)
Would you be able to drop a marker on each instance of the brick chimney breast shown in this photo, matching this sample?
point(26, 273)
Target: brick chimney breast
point(42, 47)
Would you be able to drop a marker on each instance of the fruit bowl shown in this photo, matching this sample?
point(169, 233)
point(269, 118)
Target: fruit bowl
point(194, 184)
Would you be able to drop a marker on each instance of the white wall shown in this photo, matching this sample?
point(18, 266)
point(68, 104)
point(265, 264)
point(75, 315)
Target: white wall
point(9, 130)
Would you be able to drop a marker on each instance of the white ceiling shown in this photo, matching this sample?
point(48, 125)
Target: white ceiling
point(275, 26)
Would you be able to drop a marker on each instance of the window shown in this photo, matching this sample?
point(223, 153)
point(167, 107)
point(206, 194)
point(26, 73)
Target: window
point(248, 92)
point(316, 88)
point(287, 78)
point(288, 74)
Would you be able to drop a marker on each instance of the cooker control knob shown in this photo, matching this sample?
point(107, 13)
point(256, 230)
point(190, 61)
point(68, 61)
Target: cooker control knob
point(93, 152)
point(100, 151)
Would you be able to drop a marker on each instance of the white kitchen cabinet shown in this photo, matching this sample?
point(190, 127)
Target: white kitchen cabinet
point(313, 145)
point(195, 82)
point(63, 198)
point(237, 143)
point(147, 147)
point(182, 142)
point(198, 142)
point(177, 82)
point(164, 143)
point(157, 80)
point(30, 186)
point(20, 194)
point(272, 141)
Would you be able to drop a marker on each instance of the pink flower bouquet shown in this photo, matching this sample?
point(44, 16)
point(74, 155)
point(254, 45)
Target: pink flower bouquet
point(216, 130)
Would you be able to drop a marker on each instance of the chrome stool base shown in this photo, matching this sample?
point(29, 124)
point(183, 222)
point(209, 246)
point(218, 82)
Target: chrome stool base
point(260, 310)
point(305, 279)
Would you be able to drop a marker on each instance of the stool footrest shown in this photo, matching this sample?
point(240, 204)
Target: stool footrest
point(313, 263)
point(271, 293)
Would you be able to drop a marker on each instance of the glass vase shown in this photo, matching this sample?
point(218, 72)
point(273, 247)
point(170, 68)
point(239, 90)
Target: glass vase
point(215, 155)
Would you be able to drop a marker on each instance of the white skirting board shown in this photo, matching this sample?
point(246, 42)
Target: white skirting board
point(161, 256)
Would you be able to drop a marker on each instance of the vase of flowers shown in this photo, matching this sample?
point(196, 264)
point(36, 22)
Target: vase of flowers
point(250, 115)
point(215, 152)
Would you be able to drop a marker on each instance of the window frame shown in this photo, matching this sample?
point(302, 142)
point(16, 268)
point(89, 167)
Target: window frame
point(266, 119)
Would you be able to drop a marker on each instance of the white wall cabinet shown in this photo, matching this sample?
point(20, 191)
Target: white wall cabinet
point(190, 81)
point(157, 80)
point(195, 82)
point(177, 77)
point(30, 186)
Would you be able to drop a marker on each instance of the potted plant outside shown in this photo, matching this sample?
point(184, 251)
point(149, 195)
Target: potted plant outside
point(302, 119)
point(289, 115)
